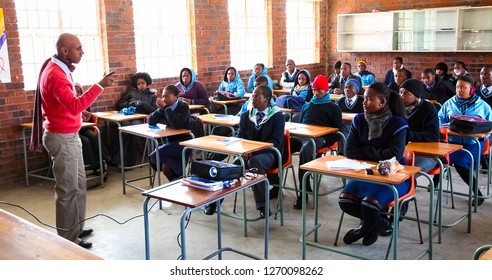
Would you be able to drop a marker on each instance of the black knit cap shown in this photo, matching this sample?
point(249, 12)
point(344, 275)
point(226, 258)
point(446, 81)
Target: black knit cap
point(468, 79)
point(442, 66)
point(414, 86)
point(337, 64)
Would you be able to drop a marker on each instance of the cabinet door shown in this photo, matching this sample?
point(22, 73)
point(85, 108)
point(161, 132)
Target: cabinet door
point(365, 32)
point(475, 29)
point(425, 30)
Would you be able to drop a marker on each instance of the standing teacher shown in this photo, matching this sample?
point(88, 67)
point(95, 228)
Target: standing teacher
point(57, 101)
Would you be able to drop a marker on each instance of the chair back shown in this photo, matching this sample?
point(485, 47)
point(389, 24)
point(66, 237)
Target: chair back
point(410, 158)
point(286, 155)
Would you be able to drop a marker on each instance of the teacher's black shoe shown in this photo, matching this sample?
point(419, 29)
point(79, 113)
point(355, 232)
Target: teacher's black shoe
point(85, 232)
point(85, 244)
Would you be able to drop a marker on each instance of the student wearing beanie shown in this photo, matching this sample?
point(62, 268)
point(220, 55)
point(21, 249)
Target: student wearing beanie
point(465, 102)
point(319, 111)
point(367, 78)
point(352, 102)
point(421, 118)
point(441, 70)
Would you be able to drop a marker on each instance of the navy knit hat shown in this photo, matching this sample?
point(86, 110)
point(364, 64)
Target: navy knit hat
point(355, 83)
point(414, 86)
point(337, 64)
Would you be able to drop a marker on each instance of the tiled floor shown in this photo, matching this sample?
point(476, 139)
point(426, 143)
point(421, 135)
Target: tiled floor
point(119, 233)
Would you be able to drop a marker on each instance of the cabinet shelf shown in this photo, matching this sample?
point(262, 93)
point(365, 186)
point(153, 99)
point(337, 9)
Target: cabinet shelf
point(438, 29)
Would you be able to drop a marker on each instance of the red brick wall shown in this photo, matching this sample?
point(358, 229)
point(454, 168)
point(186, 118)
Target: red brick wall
point(380, 63)
point(211, 56)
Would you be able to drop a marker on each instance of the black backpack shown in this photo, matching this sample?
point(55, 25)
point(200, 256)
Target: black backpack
point(197, 127)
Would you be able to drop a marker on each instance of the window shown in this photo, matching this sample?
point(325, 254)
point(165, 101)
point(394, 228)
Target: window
point(302, 31)
point(162, 37)
point(41, 22)
point(249, 34)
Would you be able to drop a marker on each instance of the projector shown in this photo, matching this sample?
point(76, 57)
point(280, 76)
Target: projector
point(215, 170)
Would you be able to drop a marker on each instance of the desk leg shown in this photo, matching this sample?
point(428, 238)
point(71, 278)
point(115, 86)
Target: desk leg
point(99, 146)
point(146, 228)
point(122, 160)
point(26, 167)
point(303, 194)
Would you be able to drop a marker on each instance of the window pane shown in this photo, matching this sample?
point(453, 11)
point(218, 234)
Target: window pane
point(40, 24)
point(249, 34)
point(301, 31)
point(162, 37)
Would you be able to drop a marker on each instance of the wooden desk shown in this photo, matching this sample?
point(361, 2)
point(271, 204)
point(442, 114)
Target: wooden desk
point(348, 117)
point(194, 199)
point(210, 143)
point(220, 120)
point(227, 102)
point(195, 107)
point(22, 240)
point(311, 131)
point(336, 97)
point(280, 92)
point(114, 117)
point(28, 127)
point(318, 166)
point(439, 150)
point(143, 130)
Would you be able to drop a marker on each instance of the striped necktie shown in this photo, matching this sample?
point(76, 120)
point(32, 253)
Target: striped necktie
point(259, 117)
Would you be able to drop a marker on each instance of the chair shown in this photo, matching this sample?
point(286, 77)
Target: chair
point(286, 164)
point(409, 196)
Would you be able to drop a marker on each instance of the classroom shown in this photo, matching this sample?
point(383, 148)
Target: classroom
point(164, 43)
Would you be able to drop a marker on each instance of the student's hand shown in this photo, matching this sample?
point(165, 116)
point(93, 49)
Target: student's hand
point(108, 79)
point(338, 91)
point(86, 116)
point(160, 103)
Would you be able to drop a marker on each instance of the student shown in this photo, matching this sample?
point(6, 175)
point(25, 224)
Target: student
point(484, 90)
point(336, 72)
point(465, 102)
point(232, 83)
point(143, 99)
point(442, 71)
point(90, 143)
point(261, 80)
point(191, 91)
point(264, 123)
point(289, 76)
point(435, 88)
point(301, 93)
point(422, 119)
point(231, 86)
point(259, 70)
point(174, 113)
point(459, 70)
point(352, 102)
point(397, 64)
point(339, 83)
point(400, 77)
point(380, 133)
point(319, 111)
point(367, 78)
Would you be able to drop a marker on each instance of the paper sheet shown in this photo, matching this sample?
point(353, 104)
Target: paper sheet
point(347, 164)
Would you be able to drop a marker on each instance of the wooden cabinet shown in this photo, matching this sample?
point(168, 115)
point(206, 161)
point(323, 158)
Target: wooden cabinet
point(427, 30)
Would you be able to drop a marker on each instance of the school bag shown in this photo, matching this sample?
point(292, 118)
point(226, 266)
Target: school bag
point(469, 124)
